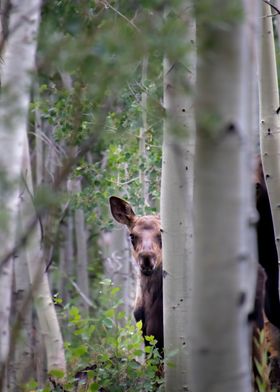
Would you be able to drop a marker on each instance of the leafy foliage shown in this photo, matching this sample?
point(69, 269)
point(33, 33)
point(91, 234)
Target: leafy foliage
point(107, 351)
point(262, 364)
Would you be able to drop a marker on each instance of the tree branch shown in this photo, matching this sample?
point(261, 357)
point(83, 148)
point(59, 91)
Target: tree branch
point(273, 7)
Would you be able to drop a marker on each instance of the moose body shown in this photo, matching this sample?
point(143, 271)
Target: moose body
point(145, 235)
point(267, 304)
point(268, 258)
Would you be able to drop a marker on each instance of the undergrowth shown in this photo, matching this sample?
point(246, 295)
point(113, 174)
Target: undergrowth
point(106, 352)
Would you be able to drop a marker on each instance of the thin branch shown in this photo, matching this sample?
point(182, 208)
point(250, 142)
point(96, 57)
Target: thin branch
point(80, 292)
point(108, 5)
point(125, 182)
point(59, 150)
point(273, 7)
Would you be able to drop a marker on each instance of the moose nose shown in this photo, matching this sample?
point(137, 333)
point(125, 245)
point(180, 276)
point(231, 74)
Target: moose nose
point(147, 262)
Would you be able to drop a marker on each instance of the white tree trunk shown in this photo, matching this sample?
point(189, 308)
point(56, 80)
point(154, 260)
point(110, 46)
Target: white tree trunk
point(74, 186)
point(220, 330)
point(5, 309)
point(49, 326)
point(250, 114)
point(62, 281)
point(270, 120)
point(142, 135)
point(176, 212)
point(21, 367)
point(270, 150)
point(69, 246)
point(39, 359)
point(39, 150)
point(16, 67)
point(117, 262)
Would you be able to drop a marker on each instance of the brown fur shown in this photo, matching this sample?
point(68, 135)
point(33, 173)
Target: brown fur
point(145, 234)
point(267, 305)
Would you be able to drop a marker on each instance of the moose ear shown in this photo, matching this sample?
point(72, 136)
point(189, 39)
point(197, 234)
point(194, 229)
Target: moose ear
point(122, 211)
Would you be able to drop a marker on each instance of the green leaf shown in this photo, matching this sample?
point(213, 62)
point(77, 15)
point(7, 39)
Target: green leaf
point(56, 373)
point(79, 351)
point(139, 325)
point(138, 352)
point(109, 313)
point(108, 322)
point(74, 311)
point(121, 315)
point(79, 332)
point(148, 349)
point(115, 290)
point(94, 386)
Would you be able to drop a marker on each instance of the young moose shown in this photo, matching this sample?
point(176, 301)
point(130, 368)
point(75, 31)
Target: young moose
point(145, 235)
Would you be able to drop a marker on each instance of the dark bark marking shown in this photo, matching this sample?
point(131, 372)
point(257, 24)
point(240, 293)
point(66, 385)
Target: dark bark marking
point(231, 128)
point(241, 299)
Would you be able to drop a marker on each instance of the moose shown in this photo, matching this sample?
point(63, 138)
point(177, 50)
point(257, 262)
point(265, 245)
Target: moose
point(145, 235)
point(267, 294)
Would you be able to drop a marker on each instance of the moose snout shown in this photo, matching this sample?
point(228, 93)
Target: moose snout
point(147, 262)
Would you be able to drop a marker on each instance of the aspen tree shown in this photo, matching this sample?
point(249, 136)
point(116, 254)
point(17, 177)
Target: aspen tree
point(222, 215)
point(74, 186)
point(20, 367)
point(142, 135)
point(117, 263)
point(270, 145)
point(176, 209)
point(48, 321)
point(270, 120)
point(17, 64)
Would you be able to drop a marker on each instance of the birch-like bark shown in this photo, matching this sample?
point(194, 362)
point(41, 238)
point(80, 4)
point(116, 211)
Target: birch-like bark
point(5, 309)
point(39, 150)
point(176, 211)
point(270, 150)
point(142, 135)
point(270, 120)
point(49, 326)
point(250, 114)
point(220, 330)
point(39, 360)
point(117, 262)
point(74, 186)
point(21, 366)
point(69, 246)
point(16, 67)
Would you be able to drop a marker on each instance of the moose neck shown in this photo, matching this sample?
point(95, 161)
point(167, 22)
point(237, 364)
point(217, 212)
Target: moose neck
point(152, 282)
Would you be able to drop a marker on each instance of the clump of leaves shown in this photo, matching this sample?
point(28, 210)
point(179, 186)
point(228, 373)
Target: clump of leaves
point(261, 363)
point(106, 353)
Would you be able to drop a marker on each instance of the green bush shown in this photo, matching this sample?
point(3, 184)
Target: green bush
point(107, 351)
